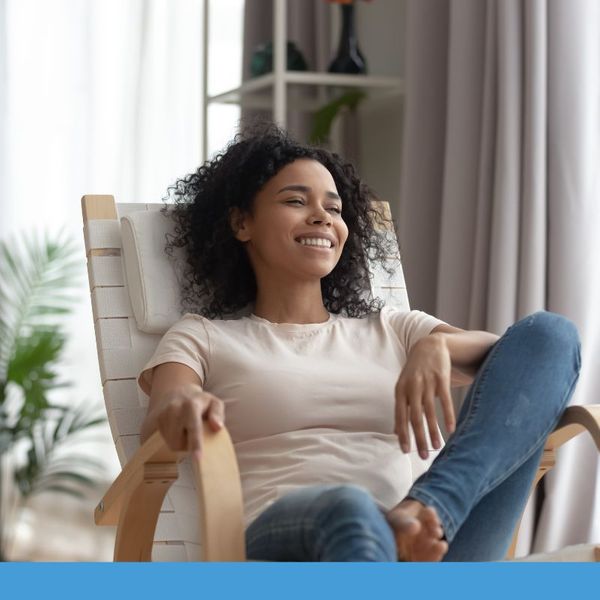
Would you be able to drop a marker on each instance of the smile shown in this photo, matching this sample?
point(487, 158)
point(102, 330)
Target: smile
point(318, 243)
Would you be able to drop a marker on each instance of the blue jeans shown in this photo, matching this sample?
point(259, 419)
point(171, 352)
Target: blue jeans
point(480, 481)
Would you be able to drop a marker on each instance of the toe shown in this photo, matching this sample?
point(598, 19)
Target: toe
point(429, 515)
point(440, 550)
point(432, 523)
point(404, 524)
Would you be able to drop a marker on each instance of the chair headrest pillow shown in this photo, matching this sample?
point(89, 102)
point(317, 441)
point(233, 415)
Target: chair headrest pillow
point(153, 277)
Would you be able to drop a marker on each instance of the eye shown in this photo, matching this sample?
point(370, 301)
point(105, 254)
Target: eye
point(336, 210)
point(294, 200)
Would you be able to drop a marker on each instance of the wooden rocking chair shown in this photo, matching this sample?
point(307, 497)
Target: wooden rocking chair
point(166, 507)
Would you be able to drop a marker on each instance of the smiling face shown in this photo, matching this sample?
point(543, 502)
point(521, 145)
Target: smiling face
point(296, 230)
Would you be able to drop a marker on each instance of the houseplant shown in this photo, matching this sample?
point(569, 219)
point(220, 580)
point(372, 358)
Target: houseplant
point(38, 280)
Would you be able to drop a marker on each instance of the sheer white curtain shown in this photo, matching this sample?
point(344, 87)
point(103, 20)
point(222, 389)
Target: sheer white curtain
point(96, 97)
point(500, 211)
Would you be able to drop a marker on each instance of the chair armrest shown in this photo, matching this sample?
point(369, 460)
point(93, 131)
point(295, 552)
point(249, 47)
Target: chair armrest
point(574, 420)
point(153, 451)
point(219, 495)
point(220, 498)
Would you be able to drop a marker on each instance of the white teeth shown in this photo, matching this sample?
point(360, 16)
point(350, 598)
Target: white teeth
point(315, 242)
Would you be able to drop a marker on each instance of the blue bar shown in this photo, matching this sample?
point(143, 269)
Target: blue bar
point(302, 581)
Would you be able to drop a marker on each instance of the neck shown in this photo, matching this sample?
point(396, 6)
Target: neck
point(299, 304)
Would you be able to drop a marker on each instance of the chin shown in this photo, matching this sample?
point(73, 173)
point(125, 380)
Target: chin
point(317, 270)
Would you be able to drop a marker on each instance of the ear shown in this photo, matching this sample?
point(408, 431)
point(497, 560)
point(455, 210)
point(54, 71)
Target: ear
point(237, 222)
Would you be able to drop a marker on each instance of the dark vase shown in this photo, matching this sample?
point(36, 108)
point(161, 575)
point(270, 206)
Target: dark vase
point(349, 58)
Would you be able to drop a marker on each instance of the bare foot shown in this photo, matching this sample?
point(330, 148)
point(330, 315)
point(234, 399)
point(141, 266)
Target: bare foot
point(418, 532)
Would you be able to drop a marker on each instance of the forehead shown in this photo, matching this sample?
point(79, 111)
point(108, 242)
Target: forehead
point(303, 171)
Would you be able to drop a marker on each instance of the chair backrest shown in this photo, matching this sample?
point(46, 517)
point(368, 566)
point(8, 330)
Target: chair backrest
point(124, 346)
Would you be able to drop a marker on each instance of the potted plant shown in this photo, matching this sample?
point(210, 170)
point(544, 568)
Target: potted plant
point(38, 278)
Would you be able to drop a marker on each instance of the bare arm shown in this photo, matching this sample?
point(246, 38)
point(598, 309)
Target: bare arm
point(467, 350)
point(177, 406)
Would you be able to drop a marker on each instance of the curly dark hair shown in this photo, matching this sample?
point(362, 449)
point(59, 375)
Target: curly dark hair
point(219, 280)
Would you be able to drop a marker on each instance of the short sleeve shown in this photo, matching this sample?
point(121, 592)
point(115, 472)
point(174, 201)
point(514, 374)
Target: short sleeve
point(410, 325)
point(186, 342)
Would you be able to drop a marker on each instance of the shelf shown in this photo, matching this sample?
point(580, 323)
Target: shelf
point(282, 92)
point(257, 92)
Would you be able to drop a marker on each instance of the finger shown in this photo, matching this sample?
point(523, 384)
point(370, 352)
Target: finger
point(418, 429)
point(416, 420)
point(192, 417)
point(216, 413)
point(402, 422)
point(447, 404)
point(432, 425)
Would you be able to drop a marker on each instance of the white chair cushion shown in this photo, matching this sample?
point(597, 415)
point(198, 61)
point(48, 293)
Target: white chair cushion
point(153, 278)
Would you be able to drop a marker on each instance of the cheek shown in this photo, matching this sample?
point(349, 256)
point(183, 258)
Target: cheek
point(343, 234)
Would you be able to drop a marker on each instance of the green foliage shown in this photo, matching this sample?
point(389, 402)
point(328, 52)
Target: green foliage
point(324, 117)
point(52, 462)
point(38, 281)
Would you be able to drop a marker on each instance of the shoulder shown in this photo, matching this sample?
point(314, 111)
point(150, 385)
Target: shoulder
point(409, 325)
point(402, 316)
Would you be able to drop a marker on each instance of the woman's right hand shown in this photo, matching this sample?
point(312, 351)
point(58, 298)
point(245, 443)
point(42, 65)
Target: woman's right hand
point(178, 406)
point(180, 420)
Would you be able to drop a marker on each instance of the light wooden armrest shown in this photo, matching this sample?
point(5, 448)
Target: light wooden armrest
point(576, 419)
point(154, 452)
point(134, 500)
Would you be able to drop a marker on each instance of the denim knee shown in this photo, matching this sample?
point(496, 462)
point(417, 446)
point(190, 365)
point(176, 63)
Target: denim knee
point(349, 513)
point(557, 330)
point(346, 498)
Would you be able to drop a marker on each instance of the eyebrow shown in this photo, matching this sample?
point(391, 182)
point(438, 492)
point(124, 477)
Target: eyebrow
point(306, 189)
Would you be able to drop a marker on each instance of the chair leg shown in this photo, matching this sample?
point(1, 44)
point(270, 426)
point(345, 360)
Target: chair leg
point(548, 461)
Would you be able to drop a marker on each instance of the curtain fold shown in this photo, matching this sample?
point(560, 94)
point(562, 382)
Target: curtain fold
point(572, 508)
point(502, 140)
point(419, 207)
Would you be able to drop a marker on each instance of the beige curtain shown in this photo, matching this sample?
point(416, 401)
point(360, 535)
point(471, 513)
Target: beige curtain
point(498, 215)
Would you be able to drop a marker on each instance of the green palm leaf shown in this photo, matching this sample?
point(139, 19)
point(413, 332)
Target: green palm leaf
point(32, 367)
point(37, 279)
point(52, 463)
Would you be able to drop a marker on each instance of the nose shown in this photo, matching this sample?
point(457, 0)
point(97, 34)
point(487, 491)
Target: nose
point(320, 215)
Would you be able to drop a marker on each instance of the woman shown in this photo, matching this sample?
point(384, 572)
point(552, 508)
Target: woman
point(324, 391)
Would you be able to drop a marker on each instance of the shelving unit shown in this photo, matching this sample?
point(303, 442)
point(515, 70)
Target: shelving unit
point(275, 90)
point(252, 92)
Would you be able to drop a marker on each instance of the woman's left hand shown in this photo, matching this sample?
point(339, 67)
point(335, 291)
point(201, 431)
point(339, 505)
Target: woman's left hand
point(427, 374)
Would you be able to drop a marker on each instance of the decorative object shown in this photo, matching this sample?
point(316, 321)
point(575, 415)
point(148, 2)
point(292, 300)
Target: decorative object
point(349, 58)
point(261, 62)
point(37, 280)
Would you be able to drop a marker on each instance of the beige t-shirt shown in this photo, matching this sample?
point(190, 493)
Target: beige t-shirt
point(306, 404)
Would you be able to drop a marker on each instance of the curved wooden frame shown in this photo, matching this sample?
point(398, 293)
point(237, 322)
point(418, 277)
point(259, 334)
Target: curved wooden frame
point(575, 420)
point(133, 501)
